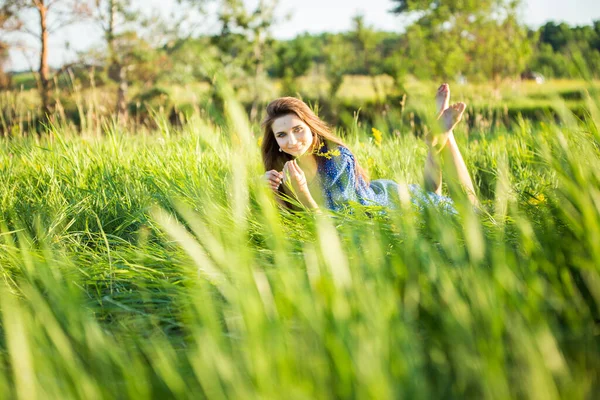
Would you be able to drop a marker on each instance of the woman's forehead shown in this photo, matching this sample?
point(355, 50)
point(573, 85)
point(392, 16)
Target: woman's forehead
point(286, 122)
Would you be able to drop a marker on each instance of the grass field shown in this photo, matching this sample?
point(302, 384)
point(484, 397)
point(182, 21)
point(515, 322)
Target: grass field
point(356, 88)
point(150, 265)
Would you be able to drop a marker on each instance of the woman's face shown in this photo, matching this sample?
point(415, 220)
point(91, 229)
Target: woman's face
point(292, 134)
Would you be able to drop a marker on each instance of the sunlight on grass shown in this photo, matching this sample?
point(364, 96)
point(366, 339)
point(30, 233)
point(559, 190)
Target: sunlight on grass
point(156, 265)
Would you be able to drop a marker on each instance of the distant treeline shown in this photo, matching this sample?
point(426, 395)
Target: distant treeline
point(557, 51)
point(562, 51)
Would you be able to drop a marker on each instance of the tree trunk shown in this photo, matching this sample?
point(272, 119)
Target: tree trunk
point(119, 71)
point(122, 94)
point(258, 72)
point(44, 70)
point(255, 101)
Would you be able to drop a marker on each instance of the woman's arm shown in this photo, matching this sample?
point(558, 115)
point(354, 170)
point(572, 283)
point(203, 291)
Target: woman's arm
point(307, 200)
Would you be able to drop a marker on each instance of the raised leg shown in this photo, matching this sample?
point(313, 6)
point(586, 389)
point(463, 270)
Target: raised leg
point(457, 167)
point(444, 146)
point(433, 170)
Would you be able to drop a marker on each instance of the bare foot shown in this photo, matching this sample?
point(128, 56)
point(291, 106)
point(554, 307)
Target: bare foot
point(448, 120)
point(452, 116)
point(442, 99)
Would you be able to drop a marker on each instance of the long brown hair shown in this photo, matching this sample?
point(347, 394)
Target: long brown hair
point(272, 157)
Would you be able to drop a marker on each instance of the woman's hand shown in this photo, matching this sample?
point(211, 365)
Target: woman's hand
point(295, 176)
point(273, 179)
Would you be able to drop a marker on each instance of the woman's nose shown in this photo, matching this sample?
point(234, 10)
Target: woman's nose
point(292, 139)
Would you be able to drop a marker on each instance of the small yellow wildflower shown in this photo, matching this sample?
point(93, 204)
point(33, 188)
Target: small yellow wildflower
point(260, 140)
point(377, 136)
point(535, 200)
point(328, 154)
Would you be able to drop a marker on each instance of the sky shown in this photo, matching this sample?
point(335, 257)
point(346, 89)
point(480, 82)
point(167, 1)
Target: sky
point(313, 16)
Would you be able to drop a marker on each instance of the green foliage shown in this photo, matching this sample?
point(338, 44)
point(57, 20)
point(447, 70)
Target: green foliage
point(364, 39)
point(339, 55)
point(290, 60)
point(191, 60)
point(564, 51)
point(482, 40)
point(145, 64)
point(479, 41)
point(506, 50)
point(155, 99)
point(293, 57)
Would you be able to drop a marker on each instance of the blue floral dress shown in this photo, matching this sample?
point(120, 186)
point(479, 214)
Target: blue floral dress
point(341, 185)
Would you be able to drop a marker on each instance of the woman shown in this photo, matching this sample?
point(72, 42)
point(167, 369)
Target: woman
point(320, 169)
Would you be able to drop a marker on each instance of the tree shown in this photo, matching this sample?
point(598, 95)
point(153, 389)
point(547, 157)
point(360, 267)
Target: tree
point(114, 17)
point(64, 12)
point(256, 27)
point(365, 41)
point(596, 43)
point(291, 60)
point(339, 53)
point(140, 46)
point(481, 38)
point(564, 51)
point(247, 34)
point(549, 63)
point(4, 78)
point(555, 35)
point(396, 65)
point(501, 48)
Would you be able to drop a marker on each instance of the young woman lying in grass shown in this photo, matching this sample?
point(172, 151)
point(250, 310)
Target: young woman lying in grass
point(317, 168)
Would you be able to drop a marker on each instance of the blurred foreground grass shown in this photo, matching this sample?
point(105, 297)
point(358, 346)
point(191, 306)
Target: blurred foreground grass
point(157, 266)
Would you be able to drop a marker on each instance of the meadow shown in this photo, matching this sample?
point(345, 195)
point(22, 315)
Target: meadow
point(84, 100)
point(153, 263)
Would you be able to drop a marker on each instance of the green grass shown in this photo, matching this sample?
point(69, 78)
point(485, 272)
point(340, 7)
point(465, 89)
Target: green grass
point(24, 80)
point(355, 88)
point(499, 108)
point(155, 265)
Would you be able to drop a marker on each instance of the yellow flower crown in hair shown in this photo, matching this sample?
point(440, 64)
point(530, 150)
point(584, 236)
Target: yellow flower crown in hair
point(328, 154)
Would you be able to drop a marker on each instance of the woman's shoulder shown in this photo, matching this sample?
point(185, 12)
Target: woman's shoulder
point(345, 152)
point(335, 160)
